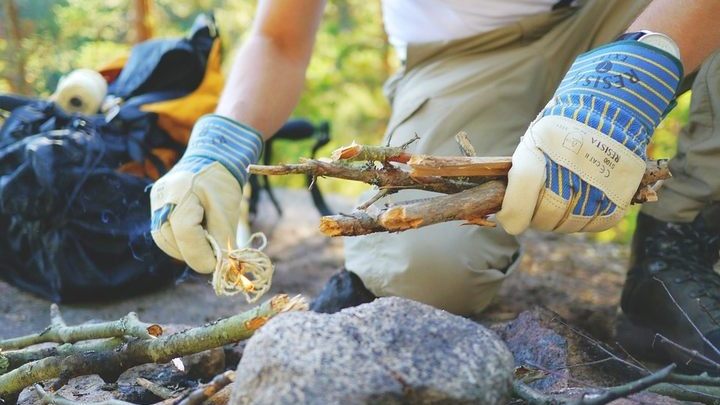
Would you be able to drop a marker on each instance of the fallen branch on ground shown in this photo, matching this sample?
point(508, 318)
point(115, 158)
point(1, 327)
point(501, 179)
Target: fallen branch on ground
point(59, 332)
point(607, 395)
point(110, 363)
point(207, 391)
point(475, 186)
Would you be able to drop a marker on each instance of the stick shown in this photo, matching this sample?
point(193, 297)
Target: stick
point(472, 206)
point(59, 332)
point(16, 358)
point(382, 178)
point(464, 144)
point(372, 153)
point(136, 352)
point(206, 391)
point(156, 389)
point(438, 172)
point(459, 166)
point(693, 393)
point(535, 397)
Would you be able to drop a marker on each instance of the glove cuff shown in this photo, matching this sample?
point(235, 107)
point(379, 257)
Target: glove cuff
point(220, 139)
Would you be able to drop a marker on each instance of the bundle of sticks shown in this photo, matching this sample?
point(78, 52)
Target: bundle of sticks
point(471, 187)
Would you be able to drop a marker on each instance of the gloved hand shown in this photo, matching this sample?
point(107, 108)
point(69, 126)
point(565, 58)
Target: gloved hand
point(202, 193)
point(580, 162)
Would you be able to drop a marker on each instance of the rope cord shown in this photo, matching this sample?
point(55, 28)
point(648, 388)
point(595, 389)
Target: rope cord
point(246, 270)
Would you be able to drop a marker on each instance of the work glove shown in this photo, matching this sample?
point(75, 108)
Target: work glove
point(581, 161)
point(199, 199)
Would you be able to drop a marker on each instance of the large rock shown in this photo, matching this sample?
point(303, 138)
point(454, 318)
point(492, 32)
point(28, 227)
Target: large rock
point(389, 351)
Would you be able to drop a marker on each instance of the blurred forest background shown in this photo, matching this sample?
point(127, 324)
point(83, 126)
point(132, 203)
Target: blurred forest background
point(41, 40)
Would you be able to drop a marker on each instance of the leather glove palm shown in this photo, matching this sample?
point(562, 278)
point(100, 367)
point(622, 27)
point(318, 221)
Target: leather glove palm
point(580, 162)
point(202, 193)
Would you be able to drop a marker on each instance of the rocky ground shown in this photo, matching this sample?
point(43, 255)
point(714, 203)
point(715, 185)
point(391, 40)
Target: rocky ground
point(578, 279)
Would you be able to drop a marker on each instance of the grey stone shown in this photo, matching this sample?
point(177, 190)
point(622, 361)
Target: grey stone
point(389, 351)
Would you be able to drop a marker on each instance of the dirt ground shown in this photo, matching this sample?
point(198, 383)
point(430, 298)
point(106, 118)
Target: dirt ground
point(579, 279)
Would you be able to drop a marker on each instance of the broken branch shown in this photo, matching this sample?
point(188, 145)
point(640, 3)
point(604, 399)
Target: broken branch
point(111, 363)
point(472, 206)
point(371, 153)
point(382, 178)
point(59, 332)
point(607, 395)
point(459, 166)
point(16, 358)
point(205, 392)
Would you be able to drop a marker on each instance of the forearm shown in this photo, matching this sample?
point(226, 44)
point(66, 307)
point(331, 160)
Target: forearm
point(264, 86)
point(692, 24)
point(268, 74)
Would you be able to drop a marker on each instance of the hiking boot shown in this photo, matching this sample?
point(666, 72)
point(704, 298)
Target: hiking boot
point(671, 298)
point(343, 290)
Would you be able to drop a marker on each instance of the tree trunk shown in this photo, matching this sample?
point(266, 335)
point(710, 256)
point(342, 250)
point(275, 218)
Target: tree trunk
point(18, 81)
point(143, 23)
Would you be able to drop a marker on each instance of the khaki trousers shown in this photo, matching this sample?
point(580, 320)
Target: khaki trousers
point(491, 86)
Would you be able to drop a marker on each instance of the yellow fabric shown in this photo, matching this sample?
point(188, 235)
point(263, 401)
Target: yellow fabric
point(178, 116)
point(110, 71)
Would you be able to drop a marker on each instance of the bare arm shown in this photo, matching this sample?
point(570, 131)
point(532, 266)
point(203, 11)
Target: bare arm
point(268, 73)
point(692, 24)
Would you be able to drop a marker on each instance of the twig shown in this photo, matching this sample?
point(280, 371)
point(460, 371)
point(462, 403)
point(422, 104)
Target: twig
point(459, 166)
point(692, 354)
point(49, 399)
point(372, 200)
point(385, 177)
point(607, 395)
point(160, 350)
point(701, 379)
point(59, 332)
point(630, 388)
point(687, 317)
point(472, 206)
point(206, 391)
point(17, 358)
point(694, 393)
point(466, 147)
point(459, 175)
point(157, 390)
point(372, 153)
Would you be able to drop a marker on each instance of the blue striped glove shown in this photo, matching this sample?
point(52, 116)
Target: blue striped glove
point(202, 193)
point(580, 162)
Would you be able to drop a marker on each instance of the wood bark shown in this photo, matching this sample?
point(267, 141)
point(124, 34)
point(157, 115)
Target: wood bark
point(607, 395)
point(209, 390)
point(59, 332)
point(472, 206)
point(388, 177)
point(459, 166)
point(110, 363)
point(475, 186)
